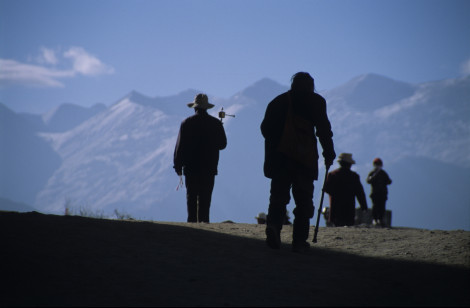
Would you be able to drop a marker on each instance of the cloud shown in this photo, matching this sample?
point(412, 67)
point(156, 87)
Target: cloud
point(86, 64)
point(465, 67)
point(47, 56)
point(13, 72)
point(46, 74)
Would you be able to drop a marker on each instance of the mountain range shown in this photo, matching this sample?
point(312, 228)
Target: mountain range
point(120, 156)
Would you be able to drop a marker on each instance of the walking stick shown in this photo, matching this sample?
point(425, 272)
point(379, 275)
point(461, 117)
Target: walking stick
point(321, 204)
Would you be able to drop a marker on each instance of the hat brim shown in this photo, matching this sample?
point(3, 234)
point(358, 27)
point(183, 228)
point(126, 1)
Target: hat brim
point(196, 105)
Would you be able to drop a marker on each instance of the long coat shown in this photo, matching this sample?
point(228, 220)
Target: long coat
point(200, 139)
point(310, 106)
point(344, 186)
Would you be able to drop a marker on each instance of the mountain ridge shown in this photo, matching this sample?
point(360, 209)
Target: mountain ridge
point(122, 157)
point(372, 91)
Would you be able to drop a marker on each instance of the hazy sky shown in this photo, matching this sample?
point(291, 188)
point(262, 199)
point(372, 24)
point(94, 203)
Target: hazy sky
point(85, 52)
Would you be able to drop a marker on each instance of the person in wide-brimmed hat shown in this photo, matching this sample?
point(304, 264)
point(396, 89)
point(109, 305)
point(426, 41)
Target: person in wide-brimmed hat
point(261, 218)
point(347, 158)
point(379, 180)
point(201, 101)
point(200, 139)
point(344, 186)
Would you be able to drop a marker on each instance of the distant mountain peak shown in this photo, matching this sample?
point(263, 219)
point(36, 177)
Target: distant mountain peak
point(374, 80)
point(138, 98)
point(168, 104)
point(372, 76)
point(265, 83)
point(371, 91)
point(261, 91)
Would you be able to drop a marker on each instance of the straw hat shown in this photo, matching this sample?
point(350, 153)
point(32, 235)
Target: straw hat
point(346, 157)
point(200, 101)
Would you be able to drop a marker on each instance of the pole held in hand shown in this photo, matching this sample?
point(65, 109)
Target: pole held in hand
point(321, 204)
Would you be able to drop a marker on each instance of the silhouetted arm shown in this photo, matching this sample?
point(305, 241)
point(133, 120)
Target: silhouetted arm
point(222, 138)
point(324, 133)
point(329, 184)
point(388, 179)
point(178, 154)
point(371, 177)
point(274, 118)
point(360, 194)
point(268, 124)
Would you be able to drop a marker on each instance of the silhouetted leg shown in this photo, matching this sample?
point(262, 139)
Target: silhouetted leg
point(280, 197)
point(374, 209)
point(302, 191)
point(378, 208)
point(191, 197)
point(205, 196)
point(278, 200)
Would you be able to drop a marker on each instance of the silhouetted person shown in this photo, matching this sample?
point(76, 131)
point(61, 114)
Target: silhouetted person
point(298, 105)
point(344, 186)
point(261, 218)
point(200, 139)
point(379, 180)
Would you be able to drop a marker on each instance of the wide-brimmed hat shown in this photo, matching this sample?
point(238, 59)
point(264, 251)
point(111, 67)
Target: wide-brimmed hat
point(200, 101)
point(346, 157)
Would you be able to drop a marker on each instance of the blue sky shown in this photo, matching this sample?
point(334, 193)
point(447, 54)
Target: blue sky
point(85, 52)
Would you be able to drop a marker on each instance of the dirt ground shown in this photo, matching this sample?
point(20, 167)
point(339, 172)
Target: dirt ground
point(49, 260)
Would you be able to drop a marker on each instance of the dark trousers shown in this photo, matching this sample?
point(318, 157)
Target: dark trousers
point(302, 191)
point(198, 196)
point(378, 208)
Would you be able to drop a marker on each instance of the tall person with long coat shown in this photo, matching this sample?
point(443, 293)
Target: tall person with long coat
point(200, 139)
point(287, 172)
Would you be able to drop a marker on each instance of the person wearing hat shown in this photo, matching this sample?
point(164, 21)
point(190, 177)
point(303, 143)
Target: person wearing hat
point(287, 171)
point(261, 218)
point(379, 180)
point(343, 186)
point(200, 139)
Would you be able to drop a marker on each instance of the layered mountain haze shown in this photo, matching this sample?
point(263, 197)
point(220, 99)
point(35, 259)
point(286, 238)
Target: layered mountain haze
point(370, 92)
point(68, 116)
point(26, 160)
point(120, 157)
point(117, 158)
point(429, 121)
